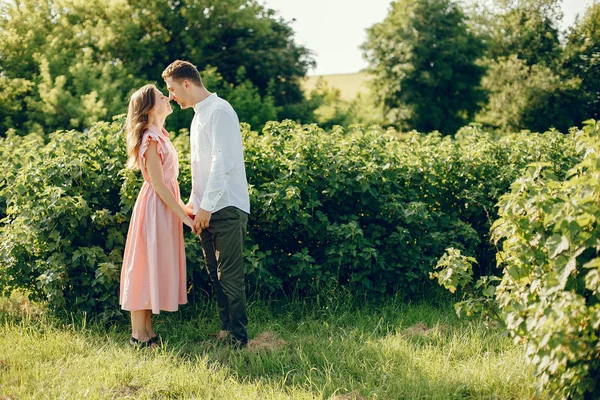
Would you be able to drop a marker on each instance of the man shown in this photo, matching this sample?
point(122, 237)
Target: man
point(219, 198)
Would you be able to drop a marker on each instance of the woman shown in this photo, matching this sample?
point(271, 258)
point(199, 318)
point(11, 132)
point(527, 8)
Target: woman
point(153, 276)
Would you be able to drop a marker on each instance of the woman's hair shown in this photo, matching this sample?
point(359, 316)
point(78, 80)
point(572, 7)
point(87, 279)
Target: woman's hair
point(140, 104)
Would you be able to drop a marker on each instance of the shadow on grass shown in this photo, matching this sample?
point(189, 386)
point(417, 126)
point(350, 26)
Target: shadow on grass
point(336, 346)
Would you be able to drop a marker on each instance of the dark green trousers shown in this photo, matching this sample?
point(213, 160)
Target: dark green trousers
point(223, 245)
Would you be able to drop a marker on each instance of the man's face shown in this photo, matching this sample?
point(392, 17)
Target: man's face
point(179, 91)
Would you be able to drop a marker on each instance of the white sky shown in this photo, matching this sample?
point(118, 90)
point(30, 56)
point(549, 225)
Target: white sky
point(334, 29)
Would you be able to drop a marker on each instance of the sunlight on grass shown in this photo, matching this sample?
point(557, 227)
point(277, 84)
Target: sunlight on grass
point(340, 349)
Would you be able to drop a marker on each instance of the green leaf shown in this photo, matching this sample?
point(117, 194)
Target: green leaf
point(557, 244)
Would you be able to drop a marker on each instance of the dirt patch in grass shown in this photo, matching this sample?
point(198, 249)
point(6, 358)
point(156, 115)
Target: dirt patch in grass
point(420, 329)
point(348, 396)
point(19, 305)
point(4, 365)
point(127, 390)
point(266, 341)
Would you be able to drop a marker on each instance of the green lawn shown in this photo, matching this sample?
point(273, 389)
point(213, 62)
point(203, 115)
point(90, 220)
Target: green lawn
point(342, 348)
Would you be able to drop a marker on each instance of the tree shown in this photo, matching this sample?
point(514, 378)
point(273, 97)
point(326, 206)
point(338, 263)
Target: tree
point(527, 28)
point(423, 57)
point(68, 63)
point(582, 60)
point(248, 104)
point(533, 82)
point(332, 109)
point(533, 97)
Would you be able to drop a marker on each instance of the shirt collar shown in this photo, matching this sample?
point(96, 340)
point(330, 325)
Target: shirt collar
point(202, 105)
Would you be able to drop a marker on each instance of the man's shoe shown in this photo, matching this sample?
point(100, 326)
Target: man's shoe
point(239, 344)
point(222, 336)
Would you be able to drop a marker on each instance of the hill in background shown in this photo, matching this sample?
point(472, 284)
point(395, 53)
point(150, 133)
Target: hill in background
point(349, 84)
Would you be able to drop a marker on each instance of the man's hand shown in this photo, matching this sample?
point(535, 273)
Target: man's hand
point(202, 219)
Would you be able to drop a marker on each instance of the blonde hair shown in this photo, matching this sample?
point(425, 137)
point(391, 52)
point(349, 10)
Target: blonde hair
point(140, 104)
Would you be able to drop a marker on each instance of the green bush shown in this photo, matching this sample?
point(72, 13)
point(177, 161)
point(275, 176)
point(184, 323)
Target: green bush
point(363, 208)
point(65, 228)
point(367, 210)
point(550, 290)
point(67, 64)
point(13, 149)
point(548, 298)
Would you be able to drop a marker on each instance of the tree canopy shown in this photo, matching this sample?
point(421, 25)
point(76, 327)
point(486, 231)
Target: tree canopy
point(424, 60)
point(68, 63)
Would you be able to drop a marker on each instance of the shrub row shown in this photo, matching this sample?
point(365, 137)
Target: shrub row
point(361, 208)
point(548, 295)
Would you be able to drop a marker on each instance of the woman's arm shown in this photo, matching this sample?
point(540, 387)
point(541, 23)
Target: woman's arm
point(154, 167)
point(188, 209)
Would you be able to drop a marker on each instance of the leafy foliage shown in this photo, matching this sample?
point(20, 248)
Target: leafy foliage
point(582, 60)
point(361, 208)
point(456, 272)
point(68, 63)
point(331, 109)
point(528, 97)
point(424, 61)
point(533, 81)
point(65, 228)
point(527, 29)
point(548, 297)
point(549, 292)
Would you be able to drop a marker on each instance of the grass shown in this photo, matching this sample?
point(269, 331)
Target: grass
point(349, 84)
point(339, 348)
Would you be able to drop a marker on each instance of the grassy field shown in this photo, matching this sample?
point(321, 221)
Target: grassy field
point(341, 348)
point(348, 84)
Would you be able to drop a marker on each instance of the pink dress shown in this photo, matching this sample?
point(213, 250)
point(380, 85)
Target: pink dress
point(153, 276)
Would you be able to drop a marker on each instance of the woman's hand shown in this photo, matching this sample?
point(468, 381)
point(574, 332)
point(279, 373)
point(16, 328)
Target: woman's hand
point(190, 223)
point(189, 210)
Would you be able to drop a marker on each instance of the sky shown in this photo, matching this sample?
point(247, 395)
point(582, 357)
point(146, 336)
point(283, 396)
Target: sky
point(335, 29)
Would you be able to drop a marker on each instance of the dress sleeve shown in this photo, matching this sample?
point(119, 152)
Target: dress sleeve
point(148, 136)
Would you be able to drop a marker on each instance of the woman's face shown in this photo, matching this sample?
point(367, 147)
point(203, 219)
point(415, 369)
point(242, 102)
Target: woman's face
point(162, 105)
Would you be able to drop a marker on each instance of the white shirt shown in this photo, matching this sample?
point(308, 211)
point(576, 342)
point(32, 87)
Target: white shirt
point(218, 172)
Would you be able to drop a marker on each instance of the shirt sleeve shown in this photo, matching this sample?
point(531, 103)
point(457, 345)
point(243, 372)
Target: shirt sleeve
point(224, 133)
point(194, 139)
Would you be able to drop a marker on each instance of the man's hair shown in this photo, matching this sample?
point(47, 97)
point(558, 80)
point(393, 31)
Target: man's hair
point(180, 70)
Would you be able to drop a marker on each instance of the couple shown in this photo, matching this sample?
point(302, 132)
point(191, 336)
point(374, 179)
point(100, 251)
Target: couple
point(153, 276)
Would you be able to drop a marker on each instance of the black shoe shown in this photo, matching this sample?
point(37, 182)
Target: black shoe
point(155, 340)
point(138, 343)
point(239, 344)
point(221, 336)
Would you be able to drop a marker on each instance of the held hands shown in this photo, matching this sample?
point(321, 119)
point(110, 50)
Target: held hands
point(202, 220)
point(196, 222)
point(189, 210)
point(189, 216)
point(189, 222)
